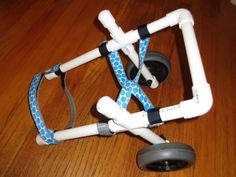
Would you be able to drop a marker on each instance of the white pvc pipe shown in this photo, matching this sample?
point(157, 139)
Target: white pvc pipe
point(202, 97)
point(79, 132)
point(93, 54)
point(148, 135)
point(116, 32)
point(158, 25)
point(111, 109)
point(171, 113)
point(135, 120)
point(193, 54)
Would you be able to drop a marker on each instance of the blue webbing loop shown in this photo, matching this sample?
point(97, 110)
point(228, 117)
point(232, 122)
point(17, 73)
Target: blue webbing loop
point(47, 134)
point(130, 87)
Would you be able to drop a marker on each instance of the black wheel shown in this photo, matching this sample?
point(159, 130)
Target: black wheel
point(157, 64)
point(166, 157)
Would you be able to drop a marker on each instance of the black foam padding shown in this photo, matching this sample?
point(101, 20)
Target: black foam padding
point(143, 31)
point(154, 116)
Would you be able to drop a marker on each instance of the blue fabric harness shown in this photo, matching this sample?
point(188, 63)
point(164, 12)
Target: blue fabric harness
point(130, 87)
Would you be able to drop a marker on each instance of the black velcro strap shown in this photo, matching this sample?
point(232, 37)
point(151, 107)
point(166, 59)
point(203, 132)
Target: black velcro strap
point(154, 116)
point(103, 49)
point(143, 31)
point(59, 72)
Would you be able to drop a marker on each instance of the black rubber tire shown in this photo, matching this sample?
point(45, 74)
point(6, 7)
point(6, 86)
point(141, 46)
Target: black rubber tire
point(157, 64)
point(166, 157)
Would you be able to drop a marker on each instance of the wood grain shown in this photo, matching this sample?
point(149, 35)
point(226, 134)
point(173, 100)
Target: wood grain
point(35, 35)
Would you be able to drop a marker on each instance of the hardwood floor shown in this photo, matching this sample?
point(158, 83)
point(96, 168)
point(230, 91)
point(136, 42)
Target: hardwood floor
point(35, 35)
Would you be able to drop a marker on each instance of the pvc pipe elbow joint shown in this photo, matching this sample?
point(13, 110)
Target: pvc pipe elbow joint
point(200, 104)
point(179, 16)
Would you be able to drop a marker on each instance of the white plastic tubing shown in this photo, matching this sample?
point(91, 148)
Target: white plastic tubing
point(121, 120)
point(108, 21)
point(78, 132)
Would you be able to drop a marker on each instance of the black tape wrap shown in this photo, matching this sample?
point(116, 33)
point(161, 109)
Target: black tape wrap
point(59, 72)
point(103, 49)
point(143, 31)
point(154, 116)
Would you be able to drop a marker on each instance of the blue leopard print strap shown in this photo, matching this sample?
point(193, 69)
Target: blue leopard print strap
point(130, 87)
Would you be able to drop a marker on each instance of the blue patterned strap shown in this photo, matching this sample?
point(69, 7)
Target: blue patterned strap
point(143, 45)
point(130, 87)
point(46, 134)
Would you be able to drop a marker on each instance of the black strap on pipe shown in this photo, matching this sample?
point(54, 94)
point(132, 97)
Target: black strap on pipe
point(103, 49)
point(143, 31)
point(154, 116)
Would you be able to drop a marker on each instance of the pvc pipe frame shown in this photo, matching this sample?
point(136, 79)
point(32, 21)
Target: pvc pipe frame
point(136, 123)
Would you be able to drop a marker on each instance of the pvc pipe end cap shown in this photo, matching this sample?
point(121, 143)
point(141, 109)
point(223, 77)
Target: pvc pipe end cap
point(50, 76)
point(103, 104)
point(106, 18)
point(40, 141)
